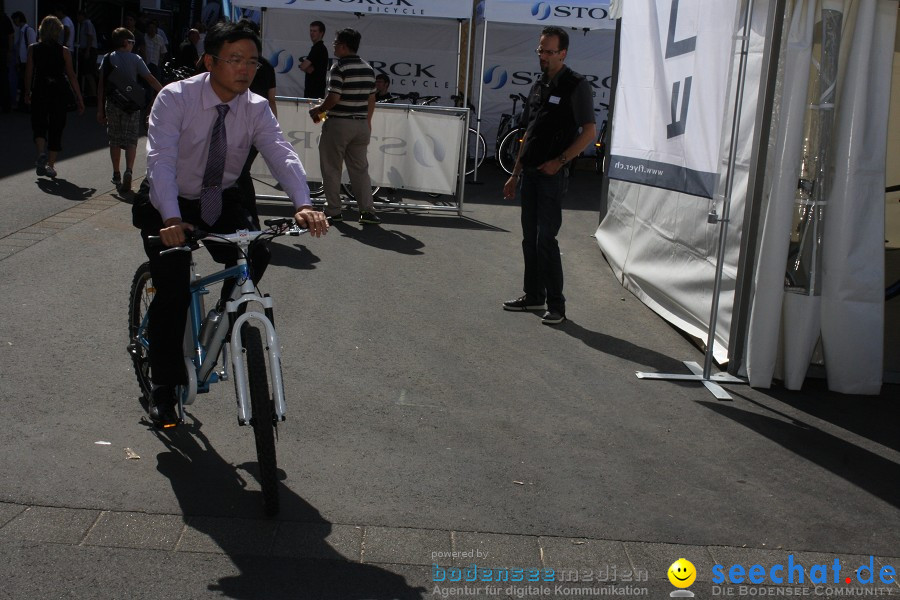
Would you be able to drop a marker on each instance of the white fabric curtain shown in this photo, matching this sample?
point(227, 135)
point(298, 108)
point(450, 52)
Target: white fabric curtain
point(660, 246)
point(849, 314)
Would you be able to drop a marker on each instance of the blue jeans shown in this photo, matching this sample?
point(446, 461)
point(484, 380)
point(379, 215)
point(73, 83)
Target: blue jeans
point(541, 219)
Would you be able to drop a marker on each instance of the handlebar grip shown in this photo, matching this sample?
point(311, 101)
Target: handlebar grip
point(278, 222)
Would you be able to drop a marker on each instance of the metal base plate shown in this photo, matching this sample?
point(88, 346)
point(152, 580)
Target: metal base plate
point(712, 384)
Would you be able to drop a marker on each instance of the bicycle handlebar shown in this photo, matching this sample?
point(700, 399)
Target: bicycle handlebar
point(276, 228)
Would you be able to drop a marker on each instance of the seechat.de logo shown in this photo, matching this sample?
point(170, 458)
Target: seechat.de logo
point(496, 77)
point(282, 60)
point(541, 11)
point(427, 151)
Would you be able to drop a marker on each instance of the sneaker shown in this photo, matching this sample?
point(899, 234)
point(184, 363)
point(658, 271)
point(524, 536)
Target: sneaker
point(117, 179)
point(523, 303)
point(338, 218)
point(552, 317)
point(162, 409)
point(370, 218)
point(49, 171)
point(40, 165)
point(126, 183)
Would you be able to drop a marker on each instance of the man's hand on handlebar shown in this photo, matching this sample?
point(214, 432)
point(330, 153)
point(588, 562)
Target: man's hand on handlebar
point(173, 232)
point(313, 220)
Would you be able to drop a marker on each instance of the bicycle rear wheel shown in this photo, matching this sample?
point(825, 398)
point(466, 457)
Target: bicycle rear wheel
point(475, 151)
point(508, 151)
point(263, 419)
point(142, 292)
point(316, 188)
point(345, 187)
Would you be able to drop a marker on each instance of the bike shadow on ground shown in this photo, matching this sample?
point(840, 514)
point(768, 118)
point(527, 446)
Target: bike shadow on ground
point(275, 558)
point(65, 189)
point(295, 256)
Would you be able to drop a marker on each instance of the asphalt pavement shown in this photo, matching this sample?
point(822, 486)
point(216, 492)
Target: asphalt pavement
point(425, 425)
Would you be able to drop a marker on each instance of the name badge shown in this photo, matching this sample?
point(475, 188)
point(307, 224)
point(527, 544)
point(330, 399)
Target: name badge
point(553, 100)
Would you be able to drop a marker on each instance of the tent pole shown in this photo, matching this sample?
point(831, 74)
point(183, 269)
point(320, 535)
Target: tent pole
point(711, 382)
point(604, 181)
point(743, 294)
point(480, 93)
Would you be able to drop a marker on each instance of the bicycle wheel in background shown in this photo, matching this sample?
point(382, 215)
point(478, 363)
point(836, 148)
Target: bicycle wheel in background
point(142, 292)
point(316, 188)
point(509, 149)
point(263, 418)
point(475, 151)
point(348, 191)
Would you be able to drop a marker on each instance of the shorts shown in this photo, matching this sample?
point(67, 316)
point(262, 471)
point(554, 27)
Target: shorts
point(122, 128)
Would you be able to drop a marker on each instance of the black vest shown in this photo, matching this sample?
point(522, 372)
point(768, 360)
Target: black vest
point(552, 127)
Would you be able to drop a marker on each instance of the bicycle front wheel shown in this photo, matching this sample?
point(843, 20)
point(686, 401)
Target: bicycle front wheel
point(508, 151)
point(263, 419)
point(142, 292)
point(475, 152)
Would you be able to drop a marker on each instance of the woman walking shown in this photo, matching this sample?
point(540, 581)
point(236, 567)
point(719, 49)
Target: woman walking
point(48, 77)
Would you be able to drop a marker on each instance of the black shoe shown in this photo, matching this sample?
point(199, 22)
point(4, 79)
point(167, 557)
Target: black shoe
point(126, 183)
point(162, 409)
point(338, 218)
point(117, 179)
point(523, 303)
point(552, 317)
point(369, 218)
point(40, 165)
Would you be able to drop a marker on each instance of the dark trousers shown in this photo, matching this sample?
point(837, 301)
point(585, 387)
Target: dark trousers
point(541, 219)
point(167, 315)
point(48, 118)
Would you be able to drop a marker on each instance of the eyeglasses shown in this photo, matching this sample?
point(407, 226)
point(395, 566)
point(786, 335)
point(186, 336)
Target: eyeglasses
point(130, 41)
point(541, 52)
point(235, 63)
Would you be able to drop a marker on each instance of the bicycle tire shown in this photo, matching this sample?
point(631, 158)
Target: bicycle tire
point(316, 188)
point(475, 151)
point(348, 191)
point(508, 151)
point(142, 292)
point(262, 420)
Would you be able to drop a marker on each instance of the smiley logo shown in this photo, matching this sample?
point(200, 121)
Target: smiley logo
point(682, 573)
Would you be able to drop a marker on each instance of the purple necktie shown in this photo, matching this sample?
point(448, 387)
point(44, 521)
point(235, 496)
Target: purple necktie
point(211, 194)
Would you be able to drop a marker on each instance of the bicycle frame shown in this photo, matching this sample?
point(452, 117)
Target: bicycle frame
point(200, 361)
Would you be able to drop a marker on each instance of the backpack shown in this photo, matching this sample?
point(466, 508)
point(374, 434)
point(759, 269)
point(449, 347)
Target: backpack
point(125, 93)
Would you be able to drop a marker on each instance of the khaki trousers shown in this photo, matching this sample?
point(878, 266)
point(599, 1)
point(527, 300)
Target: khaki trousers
point(345, 141)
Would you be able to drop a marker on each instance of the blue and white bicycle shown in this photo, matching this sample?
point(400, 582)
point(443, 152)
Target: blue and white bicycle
point(234, 330)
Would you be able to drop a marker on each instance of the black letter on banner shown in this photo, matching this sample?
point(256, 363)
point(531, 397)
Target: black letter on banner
point(680, 47)
point(677, 126)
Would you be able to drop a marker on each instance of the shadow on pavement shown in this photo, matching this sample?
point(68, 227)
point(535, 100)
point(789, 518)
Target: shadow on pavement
point(852, 413)
point(381, 238)
point(82, 135)
point(205, 484)
point(65, 189)
point(865, 469)
point(621, 348)
point(295, 256)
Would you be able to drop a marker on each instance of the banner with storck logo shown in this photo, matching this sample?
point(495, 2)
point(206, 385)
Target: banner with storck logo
point(411, 8)
point(581, 14)
point(671, 93)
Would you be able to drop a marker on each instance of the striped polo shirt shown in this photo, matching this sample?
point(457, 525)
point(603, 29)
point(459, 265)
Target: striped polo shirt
point(354, 79)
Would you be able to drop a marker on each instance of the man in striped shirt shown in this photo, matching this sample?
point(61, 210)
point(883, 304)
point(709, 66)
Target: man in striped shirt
point(345, 135)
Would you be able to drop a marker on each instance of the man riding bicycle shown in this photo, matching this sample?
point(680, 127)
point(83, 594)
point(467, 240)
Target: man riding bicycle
point(200, 133)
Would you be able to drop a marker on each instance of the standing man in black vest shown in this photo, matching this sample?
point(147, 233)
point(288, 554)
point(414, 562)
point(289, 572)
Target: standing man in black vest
point(560, 118)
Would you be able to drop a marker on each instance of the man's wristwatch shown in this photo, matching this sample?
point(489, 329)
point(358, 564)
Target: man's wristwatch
point(562, 159)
